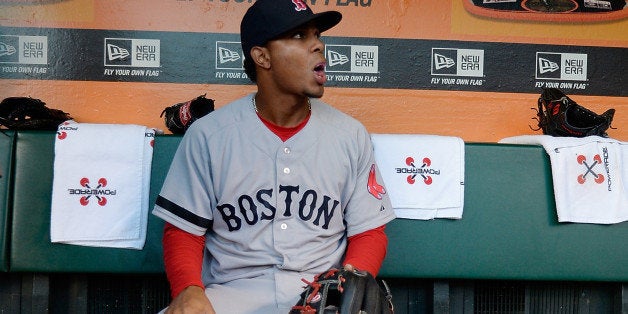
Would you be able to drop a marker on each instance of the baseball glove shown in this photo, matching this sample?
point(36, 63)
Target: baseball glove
point(558, 115)
point(26, 113)
point(179, 117)
point(345, 292)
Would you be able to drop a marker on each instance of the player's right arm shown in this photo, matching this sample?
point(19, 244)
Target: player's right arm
point(183, 259)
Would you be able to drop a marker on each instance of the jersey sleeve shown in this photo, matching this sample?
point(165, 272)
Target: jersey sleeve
point(186, 197)
point(369, 206)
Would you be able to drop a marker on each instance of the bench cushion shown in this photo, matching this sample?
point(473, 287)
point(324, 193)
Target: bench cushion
point(31, 249)
point(509, 229)
point(6, 159)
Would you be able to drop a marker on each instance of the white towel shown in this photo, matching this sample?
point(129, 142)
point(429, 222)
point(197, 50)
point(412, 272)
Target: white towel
point(424, 174)
point(588, 174)
point(101, 185)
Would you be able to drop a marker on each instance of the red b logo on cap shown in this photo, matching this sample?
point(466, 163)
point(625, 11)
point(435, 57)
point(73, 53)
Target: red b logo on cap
point(299, 5)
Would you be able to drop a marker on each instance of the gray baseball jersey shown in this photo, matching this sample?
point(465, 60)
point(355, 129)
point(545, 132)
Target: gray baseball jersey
point(273, 208)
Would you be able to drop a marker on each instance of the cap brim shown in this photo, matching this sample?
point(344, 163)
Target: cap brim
point(326, 20)
point(323, 21)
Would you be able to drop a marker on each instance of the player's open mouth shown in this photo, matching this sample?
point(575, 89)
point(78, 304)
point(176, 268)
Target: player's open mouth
point(319, 73)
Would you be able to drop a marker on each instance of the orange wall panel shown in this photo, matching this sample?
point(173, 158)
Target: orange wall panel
point(472, 115)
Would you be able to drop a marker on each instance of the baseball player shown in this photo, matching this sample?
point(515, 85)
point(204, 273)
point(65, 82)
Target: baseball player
point(274, 187)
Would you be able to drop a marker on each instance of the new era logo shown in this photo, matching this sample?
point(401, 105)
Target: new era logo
point(335, 58)
point(352, 58)
point(229, 55)
point(132, 52)
point(116, 53)
point(546, 65)
point(561, 66)
point(24, 49)
point(458, 62)
point(225, 55)
point(441, 62)
point(6, 50)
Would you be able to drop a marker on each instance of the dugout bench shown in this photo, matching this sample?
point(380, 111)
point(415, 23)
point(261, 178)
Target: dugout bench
point(509, 233)
point(7, 141)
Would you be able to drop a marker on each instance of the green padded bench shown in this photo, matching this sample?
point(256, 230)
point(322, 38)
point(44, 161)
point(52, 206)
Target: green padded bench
point(31, 249)
point(509, 228)
point(7, 140)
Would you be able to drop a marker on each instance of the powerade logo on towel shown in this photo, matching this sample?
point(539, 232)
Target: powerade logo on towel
point(142, 53)
point(24, 49)
point(596, 168)
point(458, 62)
point(418, 170)
point(90, 192)
point(561, 66)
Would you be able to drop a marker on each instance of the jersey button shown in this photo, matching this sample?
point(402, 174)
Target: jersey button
point(286, 170)
point(286, 150)
point(284, 226)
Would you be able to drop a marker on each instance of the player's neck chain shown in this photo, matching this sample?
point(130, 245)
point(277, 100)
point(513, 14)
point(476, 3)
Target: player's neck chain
point(309, 104)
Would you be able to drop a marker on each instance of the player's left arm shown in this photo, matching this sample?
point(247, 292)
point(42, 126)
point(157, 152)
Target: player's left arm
point(366, 250)
point(370, 210)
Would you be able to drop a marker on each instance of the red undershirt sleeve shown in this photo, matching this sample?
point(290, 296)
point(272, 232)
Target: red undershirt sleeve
point(366, 250)
point(183, 258)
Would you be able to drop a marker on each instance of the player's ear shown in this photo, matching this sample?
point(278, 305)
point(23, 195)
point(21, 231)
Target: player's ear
point(260, 57)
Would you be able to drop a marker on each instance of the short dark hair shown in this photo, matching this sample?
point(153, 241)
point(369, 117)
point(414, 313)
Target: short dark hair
point(249, 69)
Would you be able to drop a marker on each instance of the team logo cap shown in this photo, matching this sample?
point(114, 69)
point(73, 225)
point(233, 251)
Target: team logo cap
point(268, 19)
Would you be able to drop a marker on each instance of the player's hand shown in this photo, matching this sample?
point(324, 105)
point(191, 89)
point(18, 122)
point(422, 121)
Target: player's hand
point(348, 267)
point(192, 300)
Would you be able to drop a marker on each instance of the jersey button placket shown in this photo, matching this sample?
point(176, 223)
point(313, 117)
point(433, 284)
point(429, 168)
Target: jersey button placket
point(284, 159)
point(286, 151)
point(286, 170)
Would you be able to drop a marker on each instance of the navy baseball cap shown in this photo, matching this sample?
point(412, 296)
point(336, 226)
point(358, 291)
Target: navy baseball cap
point(268, 19)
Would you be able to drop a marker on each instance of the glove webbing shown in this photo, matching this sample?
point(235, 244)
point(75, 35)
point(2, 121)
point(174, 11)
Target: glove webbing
point(316, 285)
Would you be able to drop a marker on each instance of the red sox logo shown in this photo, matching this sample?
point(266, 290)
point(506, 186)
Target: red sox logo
point(373, 187)
point(582, 160)
point(299, 5)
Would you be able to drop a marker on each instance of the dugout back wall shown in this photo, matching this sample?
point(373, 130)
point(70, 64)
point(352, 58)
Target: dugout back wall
point(433, 67)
